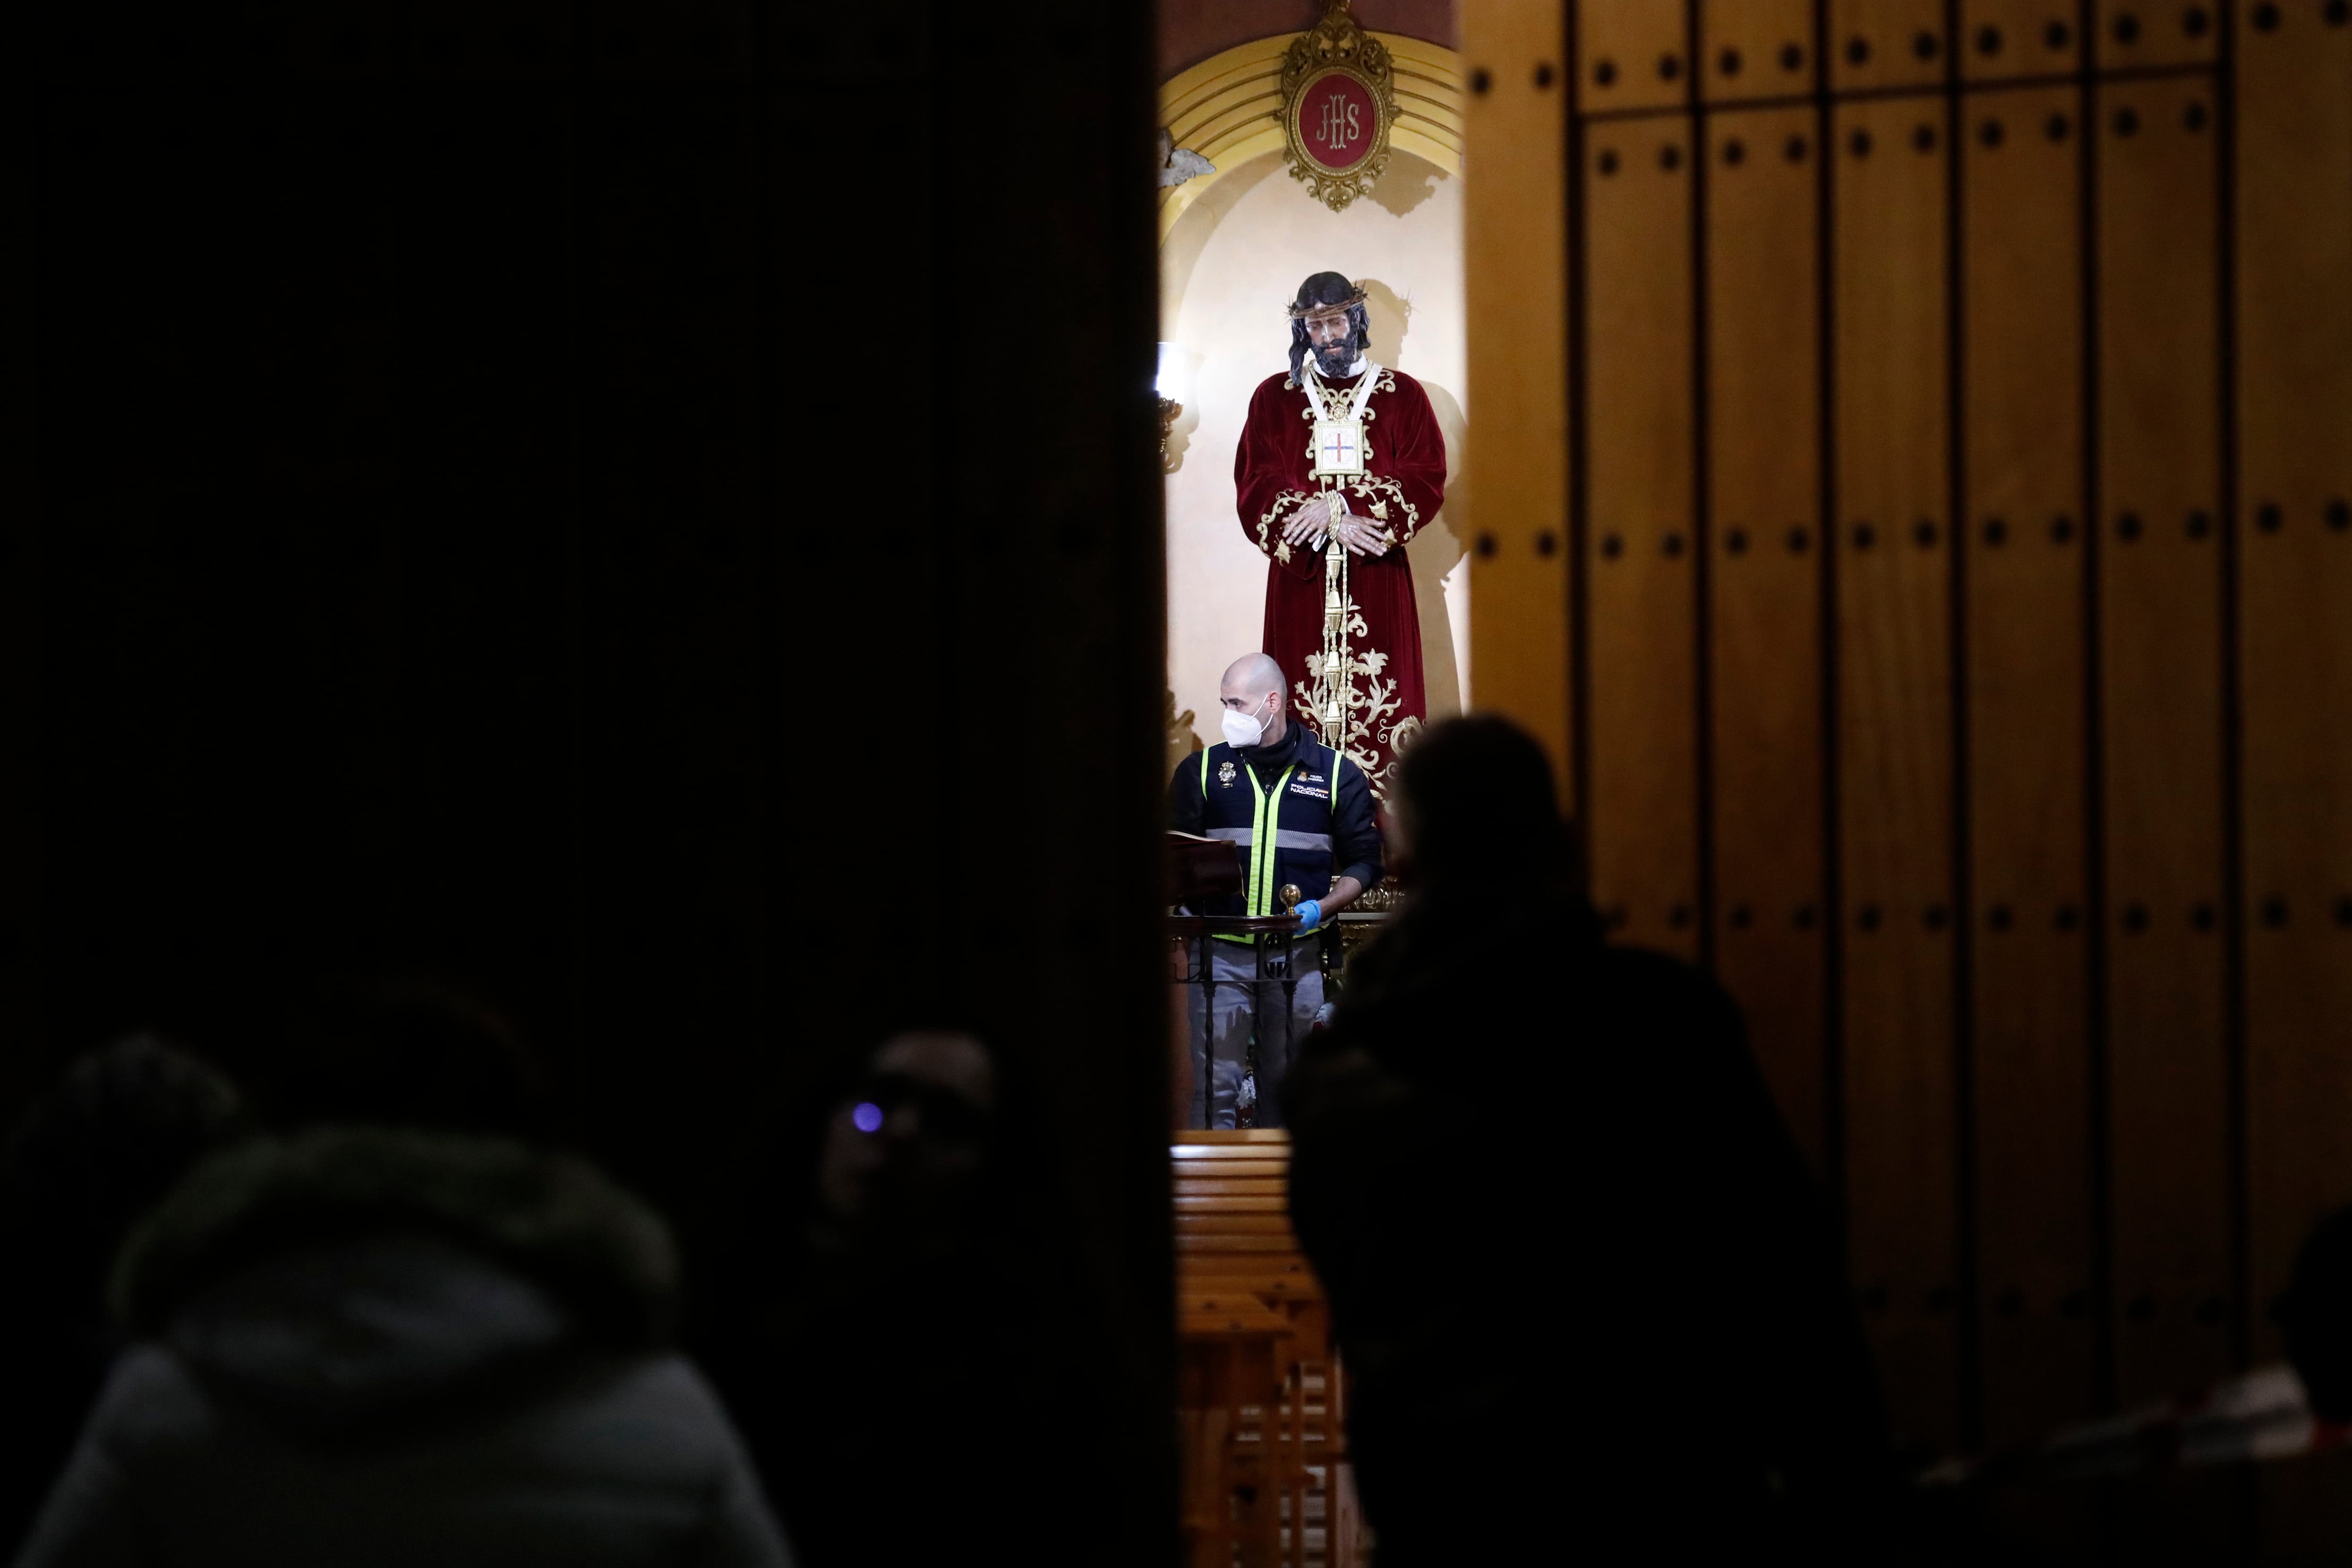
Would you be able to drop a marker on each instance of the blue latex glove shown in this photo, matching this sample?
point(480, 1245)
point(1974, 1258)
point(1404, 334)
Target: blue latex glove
point(1309, 913)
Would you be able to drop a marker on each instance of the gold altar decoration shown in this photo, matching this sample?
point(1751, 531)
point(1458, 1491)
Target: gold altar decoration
point(1338, 105)
point(1348, 696)
point(1230, 107)
point(1182, 742)
point(1330, 674)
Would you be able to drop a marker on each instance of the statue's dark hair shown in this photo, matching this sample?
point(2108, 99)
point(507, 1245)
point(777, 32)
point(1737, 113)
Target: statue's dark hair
point(1325, 288)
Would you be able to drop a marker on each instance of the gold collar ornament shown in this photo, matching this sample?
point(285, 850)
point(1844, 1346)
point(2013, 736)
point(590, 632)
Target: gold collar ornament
point(1338, 103)
point(1338, 450)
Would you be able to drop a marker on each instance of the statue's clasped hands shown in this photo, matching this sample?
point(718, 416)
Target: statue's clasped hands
point(1329, 514)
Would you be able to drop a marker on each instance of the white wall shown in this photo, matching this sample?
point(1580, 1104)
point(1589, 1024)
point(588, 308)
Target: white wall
point(1226, 269)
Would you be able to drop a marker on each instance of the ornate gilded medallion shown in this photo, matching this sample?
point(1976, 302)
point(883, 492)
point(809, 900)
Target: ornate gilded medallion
point(1338, 101)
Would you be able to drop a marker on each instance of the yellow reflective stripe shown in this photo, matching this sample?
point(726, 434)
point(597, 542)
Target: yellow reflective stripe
point(1273, 834)
point(1262, 854)
point(1262, 816)
point(1332, 805)
point(1258, 841)
point(1204, 773)
point(1261, 879)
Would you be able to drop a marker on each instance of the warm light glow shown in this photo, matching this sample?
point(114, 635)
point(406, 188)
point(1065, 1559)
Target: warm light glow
point(1174, 372)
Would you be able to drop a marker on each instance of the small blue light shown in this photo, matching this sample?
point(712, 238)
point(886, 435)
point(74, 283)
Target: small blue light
point(867, 1117)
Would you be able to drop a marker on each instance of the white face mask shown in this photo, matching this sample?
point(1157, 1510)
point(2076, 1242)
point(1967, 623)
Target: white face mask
point(1242, 729)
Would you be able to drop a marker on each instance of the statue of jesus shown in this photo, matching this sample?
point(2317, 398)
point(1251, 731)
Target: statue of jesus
point(1341, 462)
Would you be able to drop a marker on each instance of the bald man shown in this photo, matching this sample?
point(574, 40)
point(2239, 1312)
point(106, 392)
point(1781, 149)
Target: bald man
point(1302, 815)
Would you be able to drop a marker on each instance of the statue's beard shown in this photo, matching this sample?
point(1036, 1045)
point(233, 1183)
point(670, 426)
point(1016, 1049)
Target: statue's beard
point(1334, 357)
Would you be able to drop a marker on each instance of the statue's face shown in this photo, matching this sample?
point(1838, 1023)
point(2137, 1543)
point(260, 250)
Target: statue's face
point(1328, 333)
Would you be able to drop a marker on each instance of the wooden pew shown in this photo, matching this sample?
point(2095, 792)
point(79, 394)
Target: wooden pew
point(1261, 1398)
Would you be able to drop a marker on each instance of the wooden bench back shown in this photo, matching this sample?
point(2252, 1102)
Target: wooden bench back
point(1261, 1395)
point(1233, 1210)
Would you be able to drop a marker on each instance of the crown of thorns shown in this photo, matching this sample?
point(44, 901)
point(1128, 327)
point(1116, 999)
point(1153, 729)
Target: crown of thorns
point(1300, 312)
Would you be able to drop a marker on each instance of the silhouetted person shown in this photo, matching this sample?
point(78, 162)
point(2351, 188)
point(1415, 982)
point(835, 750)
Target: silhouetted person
point(401, 1344)
point(1578, 1270)
point(2315, 1316)
point(119, 1130)
point(927, 1401)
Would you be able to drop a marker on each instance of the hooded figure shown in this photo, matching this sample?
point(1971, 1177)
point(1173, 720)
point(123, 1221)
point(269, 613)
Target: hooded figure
point(364, 1347)
point(119, 1130)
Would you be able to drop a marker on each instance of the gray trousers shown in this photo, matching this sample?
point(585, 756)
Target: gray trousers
point(1241, 1005)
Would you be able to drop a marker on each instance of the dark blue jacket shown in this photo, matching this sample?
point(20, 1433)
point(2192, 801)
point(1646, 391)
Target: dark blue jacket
point(1315, 805)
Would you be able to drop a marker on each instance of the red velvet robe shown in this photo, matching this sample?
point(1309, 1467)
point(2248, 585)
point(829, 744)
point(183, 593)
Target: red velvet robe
point(1401, 488)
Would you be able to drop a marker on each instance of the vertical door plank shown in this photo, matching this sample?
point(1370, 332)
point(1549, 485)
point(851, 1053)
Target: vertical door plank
point(1634, 54)
point(1644, 725)
point(2135, 34)
point(805, 416)
point(21, 1064)
point(2003, 38)
point(2295, 443)
point(1755, 49)
point(1091, 605)
point(2160, 669)
point(2023, 434)
point(668, 564)
point(1880, 44)
point(1515, 253)
point(1894, 760)
point(1764, 442)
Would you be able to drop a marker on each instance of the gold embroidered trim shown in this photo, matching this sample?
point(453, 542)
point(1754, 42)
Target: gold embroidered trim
point(1369, 705)
point(1287, 501)
point(1380, 491)
point(1371, 701)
